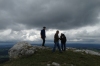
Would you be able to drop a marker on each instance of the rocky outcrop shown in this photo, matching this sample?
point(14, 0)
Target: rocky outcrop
point(85, 51)
point(23, 49)
point(88, 52)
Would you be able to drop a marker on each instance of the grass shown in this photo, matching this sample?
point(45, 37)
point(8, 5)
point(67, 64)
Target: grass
point(44, 57)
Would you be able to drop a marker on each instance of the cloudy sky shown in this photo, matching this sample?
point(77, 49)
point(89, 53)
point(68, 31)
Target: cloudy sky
point(22, 20)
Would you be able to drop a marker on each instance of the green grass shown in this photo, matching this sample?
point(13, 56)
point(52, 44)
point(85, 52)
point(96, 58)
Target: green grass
point(44, 57)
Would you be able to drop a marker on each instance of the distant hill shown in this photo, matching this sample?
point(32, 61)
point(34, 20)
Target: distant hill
point(67, 58)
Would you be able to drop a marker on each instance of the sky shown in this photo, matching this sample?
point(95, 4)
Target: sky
point(22, 20)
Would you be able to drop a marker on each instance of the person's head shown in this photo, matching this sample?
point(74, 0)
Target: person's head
point(62, 34)
point(44, 27)
point(57, 32)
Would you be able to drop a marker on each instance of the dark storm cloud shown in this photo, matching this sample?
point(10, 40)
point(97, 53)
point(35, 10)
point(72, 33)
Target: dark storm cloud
point(59, 14)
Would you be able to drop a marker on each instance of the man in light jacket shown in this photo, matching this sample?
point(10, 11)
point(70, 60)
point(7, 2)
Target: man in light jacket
point(56, 41)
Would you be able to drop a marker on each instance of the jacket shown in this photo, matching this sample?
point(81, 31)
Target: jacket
point(63, 39)
point(56, 38)
point(43, 33)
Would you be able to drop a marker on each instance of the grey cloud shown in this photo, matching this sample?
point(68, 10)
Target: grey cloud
point(85, 36)
point(57, 14)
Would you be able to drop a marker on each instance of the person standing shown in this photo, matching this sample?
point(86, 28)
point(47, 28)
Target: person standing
point(63, 42)
point(56, 41)
point(43, 35)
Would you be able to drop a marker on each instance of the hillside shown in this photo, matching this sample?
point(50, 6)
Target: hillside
point(67, 58)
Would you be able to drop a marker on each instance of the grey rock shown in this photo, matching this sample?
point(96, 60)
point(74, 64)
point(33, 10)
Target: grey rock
point(55, 64)
point(21, 49)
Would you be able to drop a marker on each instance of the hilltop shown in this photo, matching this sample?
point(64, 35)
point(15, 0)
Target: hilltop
point(45, 56)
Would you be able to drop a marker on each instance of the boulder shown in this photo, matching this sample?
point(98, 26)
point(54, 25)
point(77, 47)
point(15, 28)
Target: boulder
point(21, 49)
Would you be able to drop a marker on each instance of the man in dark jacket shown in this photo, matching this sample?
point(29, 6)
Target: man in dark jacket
point(43, 35)
point(63, 42)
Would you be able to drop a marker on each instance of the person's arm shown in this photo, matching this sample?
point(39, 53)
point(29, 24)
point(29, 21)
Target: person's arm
point(65, 39)
point(60, 37)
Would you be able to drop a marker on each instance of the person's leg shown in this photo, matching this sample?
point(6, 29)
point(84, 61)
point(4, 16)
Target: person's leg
point(64, 46)
point(43, 41)
point(54, 47)
point(61, 46)
point(58, 46)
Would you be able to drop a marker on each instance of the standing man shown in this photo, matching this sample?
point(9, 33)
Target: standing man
point(56, 41)
point(63, 42)
point(43, 35)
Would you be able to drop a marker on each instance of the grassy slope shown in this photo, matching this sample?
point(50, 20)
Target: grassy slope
point(44, 57)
